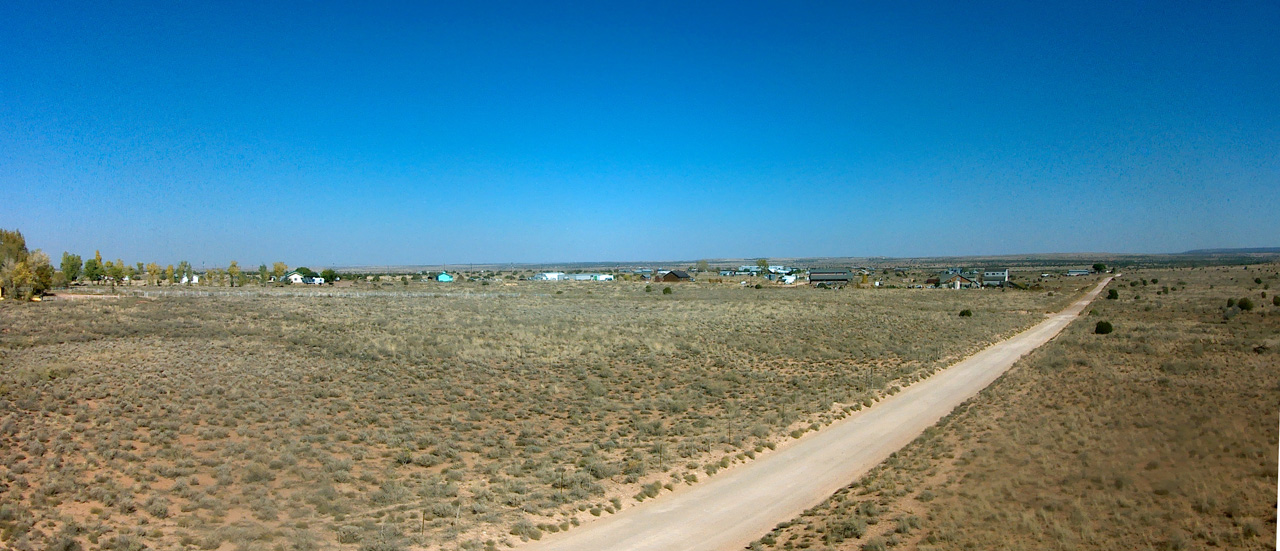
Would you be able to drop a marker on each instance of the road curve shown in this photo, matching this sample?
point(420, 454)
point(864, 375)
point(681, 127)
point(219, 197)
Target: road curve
point(731, 510)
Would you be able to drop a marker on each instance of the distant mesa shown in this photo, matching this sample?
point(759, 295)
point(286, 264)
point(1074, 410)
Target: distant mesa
point(1253, 250)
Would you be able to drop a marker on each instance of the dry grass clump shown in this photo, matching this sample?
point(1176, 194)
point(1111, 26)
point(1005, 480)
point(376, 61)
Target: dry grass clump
point(466, 421)
point(1160, 435)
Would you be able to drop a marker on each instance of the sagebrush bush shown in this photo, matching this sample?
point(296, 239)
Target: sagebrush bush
point(966, 313)
point(1103, 328)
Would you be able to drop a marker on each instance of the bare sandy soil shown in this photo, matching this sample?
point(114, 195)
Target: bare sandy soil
point(731, 510)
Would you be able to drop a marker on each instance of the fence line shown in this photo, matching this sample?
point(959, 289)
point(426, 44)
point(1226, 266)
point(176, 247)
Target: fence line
point(263, 293)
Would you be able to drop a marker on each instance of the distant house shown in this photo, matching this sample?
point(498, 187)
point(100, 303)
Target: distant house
point(550, 276)
point(444, 277)
point(957, 281)
point(1078, 272)
point(995, 278)
point(676, 276)
point(830, 277)
point(294, 277)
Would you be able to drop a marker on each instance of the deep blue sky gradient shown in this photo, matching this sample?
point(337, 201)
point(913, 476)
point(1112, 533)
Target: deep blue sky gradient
point(428, 133)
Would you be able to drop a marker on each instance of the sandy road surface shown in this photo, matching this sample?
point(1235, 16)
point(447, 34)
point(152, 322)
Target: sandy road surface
point(731, 510)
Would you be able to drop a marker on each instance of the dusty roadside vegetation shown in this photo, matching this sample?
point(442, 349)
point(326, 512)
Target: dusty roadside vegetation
point(1159, 435)
point(467, 421)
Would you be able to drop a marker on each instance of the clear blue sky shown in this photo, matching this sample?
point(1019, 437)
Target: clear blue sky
point(433, 132)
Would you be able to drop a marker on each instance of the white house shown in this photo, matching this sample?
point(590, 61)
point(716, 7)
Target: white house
point(1078, 272)
point(294, 277)
point(995, 277)
point(550, 276)
point(587, 277)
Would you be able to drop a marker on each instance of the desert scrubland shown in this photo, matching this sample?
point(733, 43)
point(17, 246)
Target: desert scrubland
point(473, 419)
point(1159, 435)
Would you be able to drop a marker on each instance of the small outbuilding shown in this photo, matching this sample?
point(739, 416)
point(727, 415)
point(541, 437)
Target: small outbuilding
point(444, 277)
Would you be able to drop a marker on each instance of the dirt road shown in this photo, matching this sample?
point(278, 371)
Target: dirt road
point(730, 511)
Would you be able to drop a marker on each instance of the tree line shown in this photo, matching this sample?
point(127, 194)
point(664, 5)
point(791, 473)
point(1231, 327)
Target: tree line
point(26, 274)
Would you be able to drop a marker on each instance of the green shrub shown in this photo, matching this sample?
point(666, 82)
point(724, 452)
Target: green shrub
point(666, 290)
point(1103, 328)
point(874, 544)
point(1245, 304)
point(648, 288)
point(1112, 294)
point(1275, 300)
point(966, 313)
point(845, 529)
point(1231, 302)
point(526, 529)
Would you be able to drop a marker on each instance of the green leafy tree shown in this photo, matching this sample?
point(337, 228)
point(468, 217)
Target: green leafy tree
point(16, 279)
point(115, 271)
point(704, 266)
point(42, 269)
point(279, 269)
point(306, 272)
point(763, 264)
point(262, 274)
point(184, 271)
point(13, 246)
point(329, 275)
point(23, 273)
point(233, 273)
point(1099, 267)
point(71, 266)
point(95, 269)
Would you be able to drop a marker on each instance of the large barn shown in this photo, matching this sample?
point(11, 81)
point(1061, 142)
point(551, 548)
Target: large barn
point(830, 277)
